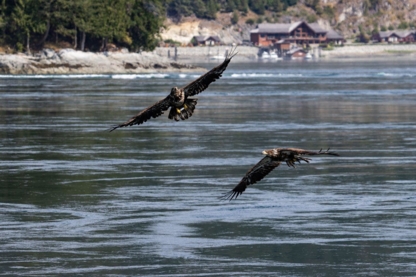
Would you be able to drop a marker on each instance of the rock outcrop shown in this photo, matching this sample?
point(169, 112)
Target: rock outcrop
point(69, 61)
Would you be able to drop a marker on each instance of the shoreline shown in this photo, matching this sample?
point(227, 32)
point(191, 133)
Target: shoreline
point(69, 61)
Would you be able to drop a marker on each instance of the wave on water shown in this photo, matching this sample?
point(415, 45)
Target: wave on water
point(264, 75)
point(140, 76)
point(54, 76)
point(86, 76)
point(395, 75)
point(242, 75)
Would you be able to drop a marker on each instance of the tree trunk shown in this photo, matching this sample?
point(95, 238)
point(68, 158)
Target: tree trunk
point(45, 36)
point(76, 38)
point(28, 43)
point(104, 45)
point(83, 41)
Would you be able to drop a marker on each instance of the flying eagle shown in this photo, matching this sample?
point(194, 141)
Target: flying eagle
point(182, 107)
point(272, 160)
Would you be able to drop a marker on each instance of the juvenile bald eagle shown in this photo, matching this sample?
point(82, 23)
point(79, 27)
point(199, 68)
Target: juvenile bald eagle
point(182, 107)
point(272, 160)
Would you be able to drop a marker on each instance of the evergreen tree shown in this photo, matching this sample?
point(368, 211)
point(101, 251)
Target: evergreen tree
point(146, 19)
point(230, 6)
point(179, 8)
point(212, 9)
point(109, 21)
point(25, 20)
point(199, 8)
point(234, 18)
point(257, 6)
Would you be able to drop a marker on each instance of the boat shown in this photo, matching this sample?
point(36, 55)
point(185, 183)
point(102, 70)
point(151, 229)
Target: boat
point(265, 55)
point(274, 56)
point(270, 55)
point(308, 56)
point(217, 57)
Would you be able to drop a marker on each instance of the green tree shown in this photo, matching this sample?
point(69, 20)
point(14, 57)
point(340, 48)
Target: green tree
point(235, 17)
point(3, 19)
point(179, 8)
point(257, 6)
point(212, 9)
point(146, 20)
point(230, 6)
point(403, 25)
point(25, 20)
point(110, 21)
point(82, 20)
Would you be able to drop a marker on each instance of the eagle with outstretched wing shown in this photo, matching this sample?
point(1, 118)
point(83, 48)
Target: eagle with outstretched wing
point(272, 160)
point(181, 106)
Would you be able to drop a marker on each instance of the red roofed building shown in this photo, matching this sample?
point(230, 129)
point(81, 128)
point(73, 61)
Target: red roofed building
point(299, 33)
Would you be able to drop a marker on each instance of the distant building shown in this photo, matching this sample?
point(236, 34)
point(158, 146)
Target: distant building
point(206, 40)
point(334, 37)
point(296, 53)
point(395, 36)
point(299, 33)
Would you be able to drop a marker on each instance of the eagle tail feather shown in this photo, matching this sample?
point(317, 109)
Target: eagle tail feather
point(173, 114)
point(185, 113)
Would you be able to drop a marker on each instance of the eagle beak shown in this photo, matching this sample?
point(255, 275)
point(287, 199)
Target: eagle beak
point(264, 152)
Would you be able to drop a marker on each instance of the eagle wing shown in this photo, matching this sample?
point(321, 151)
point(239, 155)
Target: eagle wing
point(154, 111)
point(203, 82)
point(298, 151)
point(255, 174)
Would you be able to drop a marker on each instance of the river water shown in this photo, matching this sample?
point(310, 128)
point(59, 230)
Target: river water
point(143, 200)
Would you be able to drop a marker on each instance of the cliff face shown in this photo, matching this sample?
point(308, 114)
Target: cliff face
point(345, 16)
point(349, 15)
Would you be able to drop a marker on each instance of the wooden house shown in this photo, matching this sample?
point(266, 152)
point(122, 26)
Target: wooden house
point(395, 36)
point(299, 33)
point(334, 37)
point(205, 40)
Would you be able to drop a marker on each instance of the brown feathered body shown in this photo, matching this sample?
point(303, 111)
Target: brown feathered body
point(181, 106)
point(272, 160)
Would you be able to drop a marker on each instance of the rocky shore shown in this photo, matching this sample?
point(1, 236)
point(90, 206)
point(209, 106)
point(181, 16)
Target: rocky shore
point(69, 61)
point(371, 50)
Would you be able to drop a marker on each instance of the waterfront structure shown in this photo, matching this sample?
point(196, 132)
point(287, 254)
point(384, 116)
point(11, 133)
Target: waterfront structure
point(206, 40)
point(299, 33)
point(395, 36)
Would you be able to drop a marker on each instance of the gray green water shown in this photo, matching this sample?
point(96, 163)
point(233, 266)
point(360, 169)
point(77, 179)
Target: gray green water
point(77, 200)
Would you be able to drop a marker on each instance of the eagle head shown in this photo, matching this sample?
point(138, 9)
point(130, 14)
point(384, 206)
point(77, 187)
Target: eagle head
point(270, 152)
point(176, 93)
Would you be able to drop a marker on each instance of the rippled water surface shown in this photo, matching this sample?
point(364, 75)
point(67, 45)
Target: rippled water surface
point(78, 200)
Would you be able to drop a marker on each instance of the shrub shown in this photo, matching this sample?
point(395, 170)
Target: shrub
point(250, 21)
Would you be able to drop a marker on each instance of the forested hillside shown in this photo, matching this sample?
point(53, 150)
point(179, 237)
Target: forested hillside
point(135, 24)
point(27, 24)
point(80, 23)
point(208, 8)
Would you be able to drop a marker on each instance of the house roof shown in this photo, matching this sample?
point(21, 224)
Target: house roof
point(285, 28)
point(403, 34)
point(215, 38)
point(400, 34)
point(294, 50)
point(205, 38)
point(333, 35)
point(316, 27)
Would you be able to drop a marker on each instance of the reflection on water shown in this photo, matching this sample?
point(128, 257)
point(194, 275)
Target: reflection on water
point(75, 199)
